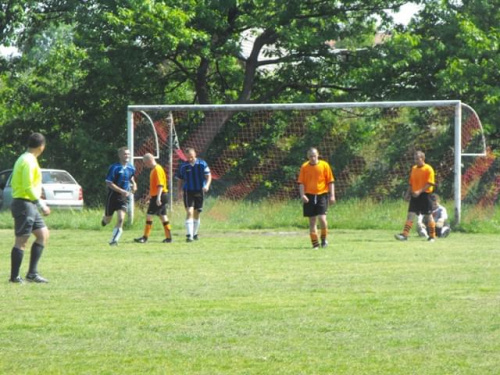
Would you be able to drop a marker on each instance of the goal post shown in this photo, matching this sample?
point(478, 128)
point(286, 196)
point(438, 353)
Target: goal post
point(151, 142)
point(255, 150)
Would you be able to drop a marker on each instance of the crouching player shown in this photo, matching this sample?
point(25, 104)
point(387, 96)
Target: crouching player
point(440, 216)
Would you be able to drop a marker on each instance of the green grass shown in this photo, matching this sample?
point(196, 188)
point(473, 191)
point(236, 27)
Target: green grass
point(254, 302)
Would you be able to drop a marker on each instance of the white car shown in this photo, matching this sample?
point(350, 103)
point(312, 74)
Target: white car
point(59, 190)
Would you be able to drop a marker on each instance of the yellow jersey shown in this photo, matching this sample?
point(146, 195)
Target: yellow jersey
point(26, 178)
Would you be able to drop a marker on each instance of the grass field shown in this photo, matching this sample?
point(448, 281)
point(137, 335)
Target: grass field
point(254, 302)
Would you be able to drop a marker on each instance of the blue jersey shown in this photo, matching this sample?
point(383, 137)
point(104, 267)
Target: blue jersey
point(121, 175)
point(194, 176)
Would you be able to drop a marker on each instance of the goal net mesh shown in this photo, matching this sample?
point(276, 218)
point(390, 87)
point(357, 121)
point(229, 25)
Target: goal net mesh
point(256, 154)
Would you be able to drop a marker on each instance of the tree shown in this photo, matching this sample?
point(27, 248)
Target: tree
point(192, 51)
point(12, 18)
point(84, 61)
point(449, 51)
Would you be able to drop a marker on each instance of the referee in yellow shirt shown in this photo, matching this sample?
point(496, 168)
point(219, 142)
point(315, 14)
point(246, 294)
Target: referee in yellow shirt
point(26, 190)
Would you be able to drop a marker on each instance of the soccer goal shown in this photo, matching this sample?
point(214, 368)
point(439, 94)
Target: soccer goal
point(255, 151)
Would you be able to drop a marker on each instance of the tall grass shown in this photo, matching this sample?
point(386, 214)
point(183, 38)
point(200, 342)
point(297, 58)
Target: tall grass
point(229, 215)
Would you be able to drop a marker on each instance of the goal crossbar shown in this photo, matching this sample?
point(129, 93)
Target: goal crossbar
point(290, 106)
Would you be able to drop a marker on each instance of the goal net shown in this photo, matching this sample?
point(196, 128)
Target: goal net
point(255, 151)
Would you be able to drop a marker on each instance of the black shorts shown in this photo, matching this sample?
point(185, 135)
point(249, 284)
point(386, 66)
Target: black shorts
point(317, 205)
point(115, 202)
point(26, 217)
point(421, 205)
point(193, 199)
point(154, 209)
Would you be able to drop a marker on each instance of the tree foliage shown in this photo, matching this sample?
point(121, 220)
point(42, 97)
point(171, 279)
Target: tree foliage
point(84, 61)
point(451, 50)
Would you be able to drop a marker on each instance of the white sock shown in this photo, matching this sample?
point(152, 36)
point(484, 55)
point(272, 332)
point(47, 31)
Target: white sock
point(189, 227)
point(196, 226)
point(117, 232)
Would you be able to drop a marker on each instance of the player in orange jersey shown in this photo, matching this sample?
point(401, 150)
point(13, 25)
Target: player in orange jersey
point(421, 186)
point(317, 190)
point(158, 201)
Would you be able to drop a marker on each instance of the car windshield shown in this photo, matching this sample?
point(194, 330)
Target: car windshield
point(56, 177)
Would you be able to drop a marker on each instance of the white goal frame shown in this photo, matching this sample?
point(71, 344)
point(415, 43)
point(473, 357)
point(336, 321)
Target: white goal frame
point(457, 104)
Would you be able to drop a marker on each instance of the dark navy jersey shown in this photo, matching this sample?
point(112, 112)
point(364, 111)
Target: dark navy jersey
point(121, 175)
point(193, 176)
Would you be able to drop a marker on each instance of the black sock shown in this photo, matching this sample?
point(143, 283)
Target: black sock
point(16, 258)
point(36, 253)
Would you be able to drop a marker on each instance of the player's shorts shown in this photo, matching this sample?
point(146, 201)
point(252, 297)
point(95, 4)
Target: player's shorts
point(26, 217)
point(154, 209)
point(317, 205)
point(194, 199)
point(115, 202)
point(421, 205)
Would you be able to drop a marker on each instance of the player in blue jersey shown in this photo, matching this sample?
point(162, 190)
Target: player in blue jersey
point(121, 185)
point(193, 181)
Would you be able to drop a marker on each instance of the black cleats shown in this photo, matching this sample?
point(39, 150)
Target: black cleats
point(35, 278)
point(400, 237)
point(141, 239)
point(16, 280)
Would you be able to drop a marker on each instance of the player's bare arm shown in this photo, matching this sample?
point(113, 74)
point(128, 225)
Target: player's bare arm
point(159, 190)
point(331, 189)
point(133, 184)
point(408, 194)
point(208, 182)
point(302, 194)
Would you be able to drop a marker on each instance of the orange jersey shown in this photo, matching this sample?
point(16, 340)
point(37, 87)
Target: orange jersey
point(156, 178)
point(316, 178)
point(420, 176)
